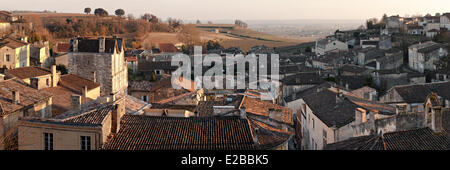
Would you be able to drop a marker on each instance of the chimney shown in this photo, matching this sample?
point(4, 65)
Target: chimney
point(117, 113)
point(360, 115)
point(243, 113)
point(101, 45)
point(16, 96)
point(437, 119)
point(54, 76)
point(84, 91)
point(75, 102)
point(75, 45)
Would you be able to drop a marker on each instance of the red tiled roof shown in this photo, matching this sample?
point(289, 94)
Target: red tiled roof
point(62, 47)
point(28, 72)
point(28, 96)
point(130, 59)
point(75, 82)
point(261, 108)
point(167, 48)
point(168, 133)
point(61, 99)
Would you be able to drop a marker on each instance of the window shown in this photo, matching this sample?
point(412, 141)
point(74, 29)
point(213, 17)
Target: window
point(324, 134)
point(313, 122)
point(48, 141)
point(144, 98)
point(48, 82)
point(7, 57)
point(85, 142)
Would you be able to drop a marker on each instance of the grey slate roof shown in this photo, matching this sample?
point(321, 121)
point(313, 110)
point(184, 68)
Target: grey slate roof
point(419, 139)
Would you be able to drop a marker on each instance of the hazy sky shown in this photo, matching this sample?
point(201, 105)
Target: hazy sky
point(242, 9)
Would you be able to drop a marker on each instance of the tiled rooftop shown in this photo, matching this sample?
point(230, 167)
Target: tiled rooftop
point(28, 72)
point(165, 133)
point(28, 96)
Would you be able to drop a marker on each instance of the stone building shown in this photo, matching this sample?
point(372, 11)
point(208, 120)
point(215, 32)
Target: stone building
point(86, 129)
point(19, 100)
point(423, 56)
point(100, 60)
point(14, 53)
point(329, 115)
point(40, 54)
point(415, 96)
point(325, 45)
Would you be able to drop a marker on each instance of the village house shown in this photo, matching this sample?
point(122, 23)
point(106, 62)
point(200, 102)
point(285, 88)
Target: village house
point(325, 45)
point(158, 68)
point(423, 56)
point(19, 100)
point(60, 52)
point(296, 83)
point(14, 53)
point(414, 97)
point(445, 21)
point(367, 55)
point(62, 87)
point(162, 92)
point(353, 70)
point(329, 115)
point(100, 60)
point(423, 131)
point(86, 129)
point(36, 77)
point(163, 52)
point(386, 79)
point(132, 64)
point(415, 29)
point(40, 54)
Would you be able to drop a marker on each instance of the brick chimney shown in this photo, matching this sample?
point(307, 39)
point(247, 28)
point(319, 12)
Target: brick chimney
point(16, 96)
point(117, 113)
point(75, 102)
point(101, 45)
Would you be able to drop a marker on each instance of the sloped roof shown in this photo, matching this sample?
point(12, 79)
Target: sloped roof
point(167, 48)
point(75, 82)
point(12, 43)
point(169, 133)
point(261, 108)
point(28, 96)
point(28, 72)
point(418, 139)
point(419, 92)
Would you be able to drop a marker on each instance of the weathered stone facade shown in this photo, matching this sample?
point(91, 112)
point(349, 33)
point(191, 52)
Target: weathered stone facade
point(104, 65)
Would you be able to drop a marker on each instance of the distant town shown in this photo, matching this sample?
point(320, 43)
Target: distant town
point(99, 81)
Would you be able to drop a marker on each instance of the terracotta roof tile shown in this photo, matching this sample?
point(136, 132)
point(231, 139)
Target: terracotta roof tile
point(28, 72)
point(168, 133)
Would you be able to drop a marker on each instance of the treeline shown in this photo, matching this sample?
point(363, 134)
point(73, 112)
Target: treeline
point(100, 24)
